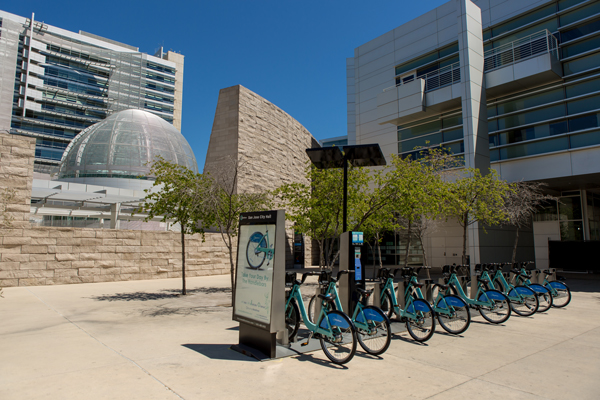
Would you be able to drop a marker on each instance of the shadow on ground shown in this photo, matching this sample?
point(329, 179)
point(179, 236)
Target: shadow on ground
point(218, 352)
point(163, 294)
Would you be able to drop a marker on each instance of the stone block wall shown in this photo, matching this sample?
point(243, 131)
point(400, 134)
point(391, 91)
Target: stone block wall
point(16, 177)
point(50, 255)
point(269, 145)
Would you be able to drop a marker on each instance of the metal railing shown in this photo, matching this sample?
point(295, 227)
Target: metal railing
point(436, 79)
point(442, 77)
point(521, 49)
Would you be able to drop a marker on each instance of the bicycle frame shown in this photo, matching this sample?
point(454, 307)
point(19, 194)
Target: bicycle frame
point(512, 292)
point(447, 310)
point(411, 308)
point(359, 317)
point(488, 297)
point(322, 327)
point(534, 286)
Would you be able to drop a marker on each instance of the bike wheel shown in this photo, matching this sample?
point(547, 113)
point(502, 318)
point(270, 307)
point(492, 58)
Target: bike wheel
point(498, 311)
point(255, 258)
point(460, 318)
point(341, 346)
point(422, 325)
point(528, 302)
point(377, 337)
point(386, 304)
point(561, 294)
point(312, 308)
point(292, 319)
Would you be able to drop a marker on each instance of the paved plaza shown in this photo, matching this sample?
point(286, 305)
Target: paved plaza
point(141, 340)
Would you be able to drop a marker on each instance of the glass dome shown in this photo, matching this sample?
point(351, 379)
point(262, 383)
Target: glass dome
point(123, 146)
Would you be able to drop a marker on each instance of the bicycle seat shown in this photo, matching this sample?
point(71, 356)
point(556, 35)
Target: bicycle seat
point(443, 287)
point(482, 280)
point(327, 297)
point(547, 271)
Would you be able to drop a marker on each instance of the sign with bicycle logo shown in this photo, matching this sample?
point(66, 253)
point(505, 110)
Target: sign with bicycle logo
point(255, 268)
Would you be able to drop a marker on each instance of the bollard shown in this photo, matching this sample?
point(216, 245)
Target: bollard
point(400, 294)
point(428, 290)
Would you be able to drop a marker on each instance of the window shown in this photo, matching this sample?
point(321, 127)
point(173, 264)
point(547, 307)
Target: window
point(426, 59)
point(579, 31)
point(525, 19)
point(581, 47)
point(580, 13)
point(582, 64)
point(531, 116)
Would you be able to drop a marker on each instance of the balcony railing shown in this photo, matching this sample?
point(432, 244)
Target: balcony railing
point(521, 49)
point(442, 77)
point(436, 79)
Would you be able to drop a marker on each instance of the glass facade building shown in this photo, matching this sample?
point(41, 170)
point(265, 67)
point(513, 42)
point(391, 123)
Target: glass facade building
point(511, 85)
point(55, 83)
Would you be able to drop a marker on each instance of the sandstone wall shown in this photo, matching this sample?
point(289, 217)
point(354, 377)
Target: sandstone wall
point(48, 255)
point(51, 256)
point(269, 145)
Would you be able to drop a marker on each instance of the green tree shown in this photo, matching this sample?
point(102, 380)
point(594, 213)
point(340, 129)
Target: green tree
point(178, 195)
point(226, 202)
point(474, 197)
point(317, 208)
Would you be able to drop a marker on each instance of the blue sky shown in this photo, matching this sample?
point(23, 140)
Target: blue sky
point(293, 53)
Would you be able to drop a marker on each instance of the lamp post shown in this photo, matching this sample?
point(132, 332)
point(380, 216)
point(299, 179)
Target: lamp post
point(361, 155)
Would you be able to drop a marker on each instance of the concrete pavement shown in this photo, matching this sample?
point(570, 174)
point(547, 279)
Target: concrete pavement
point(141, 340)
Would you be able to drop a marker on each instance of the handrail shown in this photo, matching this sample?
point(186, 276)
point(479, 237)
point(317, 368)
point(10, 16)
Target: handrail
point(436, 79)
point(521, 49)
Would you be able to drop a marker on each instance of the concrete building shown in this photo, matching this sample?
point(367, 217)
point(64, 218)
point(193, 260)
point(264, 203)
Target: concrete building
point(509, 84)
point(55, 83)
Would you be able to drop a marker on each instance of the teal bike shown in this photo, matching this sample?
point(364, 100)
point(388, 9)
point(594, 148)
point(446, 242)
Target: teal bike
point(333, 328)
point(452, 312)
point(560, 292)
point(417, 314)
point(372, 325)
point(523, 300)
point(492, 305)
point(259, 249)
point(523, 277)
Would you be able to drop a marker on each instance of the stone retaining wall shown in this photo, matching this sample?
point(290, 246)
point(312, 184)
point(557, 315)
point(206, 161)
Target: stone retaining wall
point(52, 256)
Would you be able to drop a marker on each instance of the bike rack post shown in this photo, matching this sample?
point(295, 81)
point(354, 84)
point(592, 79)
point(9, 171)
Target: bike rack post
point(400, 294)
point(377, 294)
point(428, 290)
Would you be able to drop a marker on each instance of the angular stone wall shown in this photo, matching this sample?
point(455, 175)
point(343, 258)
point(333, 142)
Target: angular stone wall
point(267, 142)
point(49, 255)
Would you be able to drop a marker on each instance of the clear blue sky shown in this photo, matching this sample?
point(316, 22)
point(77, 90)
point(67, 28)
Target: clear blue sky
point(293, 53)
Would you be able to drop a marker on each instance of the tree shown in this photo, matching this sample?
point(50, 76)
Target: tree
point(476, 198)
point(226, 203)
point(316, 208)
point(178, 195)
point(520, 203)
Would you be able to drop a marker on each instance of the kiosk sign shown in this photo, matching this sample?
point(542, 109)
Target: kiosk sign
point(255, 269)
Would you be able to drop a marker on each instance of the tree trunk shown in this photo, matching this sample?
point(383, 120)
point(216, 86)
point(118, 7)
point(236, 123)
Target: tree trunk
point(231, 268)
point(183, 291)
point(424, 257)
point(408, 237)
point(464, 255)
point(514, 254)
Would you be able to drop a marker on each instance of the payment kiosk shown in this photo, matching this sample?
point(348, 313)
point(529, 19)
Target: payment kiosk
point(350, 259)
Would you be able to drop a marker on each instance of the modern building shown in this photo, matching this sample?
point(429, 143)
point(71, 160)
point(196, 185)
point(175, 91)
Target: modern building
point(104, 171)
point(55, 83)
point(338, 141)
point(509, 84)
